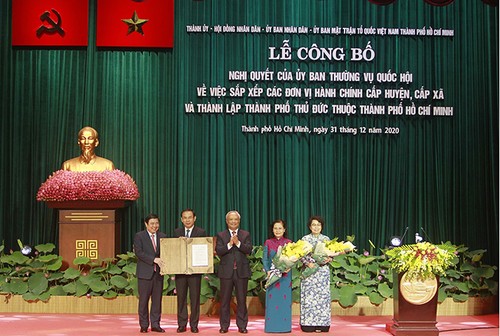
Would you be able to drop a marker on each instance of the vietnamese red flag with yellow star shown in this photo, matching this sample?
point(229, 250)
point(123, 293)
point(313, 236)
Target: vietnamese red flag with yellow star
point(135, 23)
point(50, 22)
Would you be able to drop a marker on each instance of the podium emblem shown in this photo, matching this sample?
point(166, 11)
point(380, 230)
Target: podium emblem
point(418, 292)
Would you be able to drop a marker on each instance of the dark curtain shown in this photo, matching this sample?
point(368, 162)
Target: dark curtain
point(438, 177)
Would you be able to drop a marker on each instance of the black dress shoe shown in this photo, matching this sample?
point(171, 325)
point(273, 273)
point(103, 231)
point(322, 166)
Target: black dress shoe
point(195, 330)
point(157, 329)
point(222, 330)
point(181, 329)
point(243, 331)
point(144, 330)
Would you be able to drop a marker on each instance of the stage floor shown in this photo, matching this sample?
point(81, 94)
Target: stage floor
point(92, 324)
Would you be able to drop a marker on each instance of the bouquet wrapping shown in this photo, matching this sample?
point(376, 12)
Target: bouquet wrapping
point(286, 257)
point(322, 253)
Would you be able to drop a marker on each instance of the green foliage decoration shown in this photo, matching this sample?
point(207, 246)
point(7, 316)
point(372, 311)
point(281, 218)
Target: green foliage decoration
point(39, 276)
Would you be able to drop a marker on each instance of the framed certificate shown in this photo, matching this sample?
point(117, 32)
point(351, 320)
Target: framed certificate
point(187, 255)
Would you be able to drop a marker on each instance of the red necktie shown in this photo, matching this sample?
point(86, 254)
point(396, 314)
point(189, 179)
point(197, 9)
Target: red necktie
point(153, 240)
point(234, 263)
point(154, 246)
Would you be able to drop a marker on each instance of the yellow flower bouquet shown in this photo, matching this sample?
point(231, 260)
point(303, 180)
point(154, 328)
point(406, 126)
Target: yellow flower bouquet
point(286, 257)
point(422, 261)
point(322, 252)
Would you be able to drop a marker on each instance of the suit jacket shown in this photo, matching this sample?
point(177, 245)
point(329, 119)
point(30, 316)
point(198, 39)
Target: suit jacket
point(229, 256)
point(196, 232)
point(144, 250)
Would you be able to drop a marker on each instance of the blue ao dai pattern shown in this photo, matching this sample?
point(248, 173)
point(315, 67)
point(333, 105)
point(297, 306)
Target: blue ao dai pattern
point(315, 297)
point(279, 295)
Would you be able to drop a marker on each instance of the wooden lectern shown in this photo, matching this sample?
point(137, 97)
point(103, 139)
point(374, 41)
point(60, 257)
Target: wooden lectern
point(89, 229)
point(415, 307)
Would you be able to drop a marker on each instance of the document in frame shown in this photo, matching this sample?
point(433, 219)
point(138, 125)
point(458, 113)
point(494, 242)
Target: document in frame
point(199, 255)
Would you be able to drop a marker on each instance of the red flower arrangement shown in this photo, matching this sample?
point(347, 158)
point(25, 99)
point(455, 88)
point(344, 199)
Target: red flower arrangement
point(64, 185)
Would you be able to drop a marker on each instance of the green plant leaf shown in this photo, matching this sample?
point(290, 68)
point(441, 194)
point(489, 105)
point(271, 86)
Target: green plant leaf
point(385, 290)
point(347, 297)
point(492, 286)
point(460, 297)
point(98, 286)
point(81, 261)
point(119, 281)
point(30, 297)
point(45, 248)
point(70, 288)
point(38, 283)
point(484, 272)
point(462, 286)
point(133, 284)
point(110, 294)
point(48, 258)
point(71, 273)
point(353, 277)
point(56, 277)
point(442, 295)
point(258, 275)
point(205, 289)
point(18, 286)
point(81, 288)
point(376, 298)
point(55, 265)
point(57, 291)
point(130, 268)
point(18, 258)
point(168, 284)
point(366, 260)
point(113, 269)
point(252, 284)
point(89, 278)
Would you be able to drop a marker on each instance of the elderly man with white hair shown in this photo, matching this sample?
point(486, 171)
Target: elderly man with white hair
point(232, 246)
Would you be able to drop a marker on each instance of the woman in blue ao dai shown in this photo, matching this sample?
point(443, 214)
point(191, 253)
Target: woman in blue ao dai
point(278, 317)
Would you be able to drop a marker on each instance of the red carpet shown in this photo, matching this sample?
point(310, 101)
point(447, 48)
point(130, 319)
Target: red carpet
point(108, 325)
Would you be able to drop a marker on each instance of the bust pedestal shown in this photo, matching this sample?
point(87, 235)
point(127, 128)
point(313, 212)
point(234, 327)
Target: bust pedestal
point(89, 229)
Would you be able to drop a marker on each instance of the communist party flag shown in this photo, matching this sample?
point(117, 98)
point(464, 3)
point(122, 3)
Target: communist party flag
point(50, 22)
point(135, 23)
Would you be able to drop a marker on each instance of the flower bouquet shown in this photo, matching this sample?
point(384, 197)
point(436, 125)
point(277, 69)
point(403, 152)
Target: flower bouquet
point(322, 252)
point(422, 261)
point(286, 257)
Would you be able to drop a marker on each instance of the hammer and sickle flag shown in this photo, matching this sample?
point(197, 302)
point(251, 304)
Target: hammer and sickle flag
point(50, 23)
point(135, 23)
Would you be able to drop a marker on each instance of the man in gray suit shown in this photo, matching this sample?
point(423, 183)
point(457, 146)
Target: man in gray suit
point(183, 282)
point(232, 246)
point(150, 281)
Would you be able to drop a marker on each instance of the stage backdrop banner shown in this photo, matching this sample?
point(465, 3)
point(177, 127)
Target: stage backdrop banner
point(377, 118)
point(135, 24)
point(50, 22)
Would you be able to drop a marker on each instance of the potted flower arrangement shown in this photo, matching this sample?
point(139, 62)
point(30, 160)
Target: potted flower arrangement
point(423, 260)
point(64, 186)
point(416, 280)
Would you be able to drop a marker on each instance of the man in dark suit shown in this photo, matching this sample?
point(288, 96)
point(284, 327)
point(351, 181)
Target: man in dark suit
point(183, 282)
point(232, 246)
point(150, 281)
